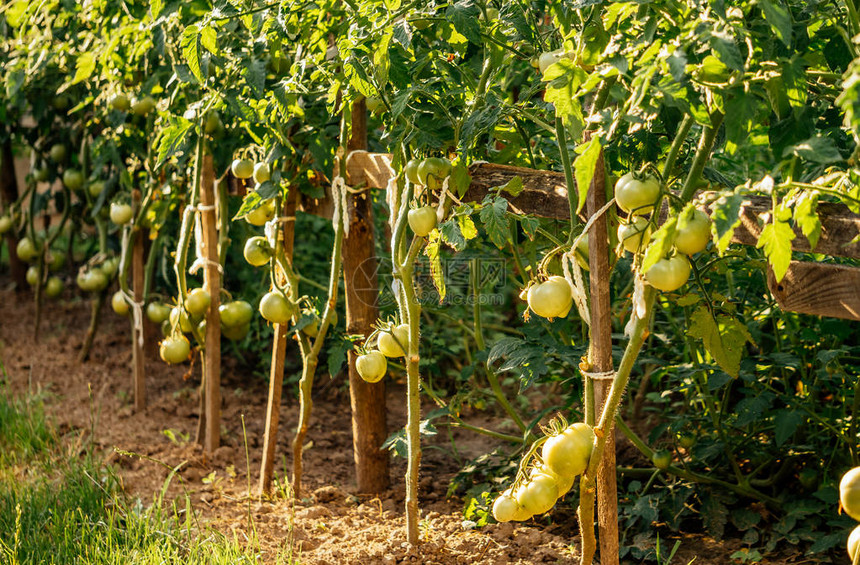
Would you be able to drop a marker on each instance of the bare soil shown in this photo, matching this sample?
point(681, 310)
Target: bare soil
point(330, 524)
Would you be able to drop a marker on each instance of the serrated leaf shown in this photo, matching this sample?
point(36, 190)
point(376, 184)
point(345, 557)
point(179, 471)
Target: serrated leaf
point(786, 423)
point(256, 197)
point(661, 243)
point(381, 61)
point(156, 6)
point(494, 217)
point(564, 79)
point(467, 227)
point(715, 515)
point(775, 239)
point(337, 356)
point(529, 225)
point(172, 139)
point(209, 39)
point(751, 409)
point(451, 234)
point(254, 72)
point(433, 249)
point(190, 45)
point(513, 187)
point(724, 338)
point(460, 179)
point(779, 18)
point(464, 15)
point(84, 67)
point(806, 217)
point(817, 149)
point(584, 167)
point(725, 213)
point(358, 77)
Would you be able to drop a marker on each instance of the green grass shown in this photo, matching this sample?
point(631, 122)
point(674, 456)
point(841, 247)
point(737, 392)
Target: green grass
point(58, 507)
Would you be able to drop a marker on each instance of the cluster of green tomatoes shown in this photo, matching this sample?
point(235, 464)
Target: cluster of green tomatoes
point(542, 481)
point(849, 499)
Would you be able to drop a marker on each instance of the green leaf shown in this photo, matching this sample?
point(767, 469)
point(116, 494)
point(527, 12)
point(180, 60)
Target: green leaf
point(715, 515)
point(564, 79)
point(786, 423)
point(779, 18)
point(465, 16)
point(190, 45)
point(661, 243)
point(381, 60)
point(156, 6)
point(513, 187)
point(172, 139)
point(434, 245)
point(529, 225)
point(337, 352)
point(584, 167)
point(460, 179)
point(806, 217)
point(84, 67)
point(209, 39)
point(495, 219)
point(467, 227)
point(724, 338)
point(817, 149)
point(452, 235)
point(775, 239)
point(725, 213)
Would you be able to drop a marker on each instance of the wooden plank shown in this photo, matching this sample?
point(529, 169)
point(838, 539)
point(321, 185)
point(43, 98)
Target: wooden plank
point(839, 228)
point(360, 265)
point(819, 289)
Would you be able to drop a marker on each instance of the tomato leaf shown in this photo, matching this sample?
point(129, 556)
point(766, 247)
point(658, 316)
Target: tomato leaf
point(806, 217)
point(84, 67)
point(817, 149)
point(452, 235)
point(513, 187)
point(467, 227)
point(156, 6)
point(786, 423)
point(433, 249)
point(465, 16)
point(564, 79)
point(775, 239)
point(584, 167)
point(172, 139)
point(779, 19)
point(529, 225)
point(190, 45)
point(661, 244)
point(495, 219)
point(724, 338)
point(460, 179)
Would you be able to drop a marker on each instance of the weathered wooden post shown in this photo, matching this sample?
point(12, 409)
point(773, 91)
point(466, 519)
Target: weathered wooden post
point(212, 285)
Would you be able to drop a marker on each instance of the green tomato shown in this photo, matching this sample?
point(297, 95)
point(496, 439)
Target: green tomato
point(41, 174)
point(109, 266)
point(505, 507)
point(157, 312)
point(175, 349)
point(686, 440)
point(693, 233)
point(372, 366)
point(712, 70)
point(61, 102)
point(661, 459)
point(5, 224)
point(143, 106)
point(120, 213)
point(433, 171)
point(242, 168)
point(236, 333)
point(119, 303)
point(120, 102)
point(54, 287)
point(568, 452)
point(546, 60)
point(563, 482)
point(388, 342)
point(275, 308)
point(73, 179)
point(262, 173)
point(26, 249)
point(634, 236)
point(213, 123)
point(411, 171)
point(58, 153)
point(550, 299)
point(236, 313)
point(32, 275)
point(669, 274)
point(849, 493)
point(96, 188)
point(853, 543)
point(636, 194)
point(197, 302)
point(262, 213)
point(422, 220)
point(374, 105)
point(538, 495)
point(257, 251)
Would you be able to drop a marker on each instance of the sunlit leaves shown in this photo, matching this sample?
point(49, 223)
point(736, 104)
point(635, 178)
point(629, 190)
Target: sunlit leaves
point(584, 167)
point(191, 50)
point(776, 238)
point(495, 219)
point(723, 336)
point(172, 139)
point(779, 19)
point(84, 67)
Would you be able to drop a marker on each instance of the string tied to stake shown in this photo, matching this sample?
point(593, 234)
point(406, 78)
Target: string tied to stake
point(602, 376)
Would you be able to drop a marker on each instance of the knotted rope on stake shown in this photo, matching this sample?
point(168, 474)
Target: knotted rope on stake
point(200, 259)
point(136, 307)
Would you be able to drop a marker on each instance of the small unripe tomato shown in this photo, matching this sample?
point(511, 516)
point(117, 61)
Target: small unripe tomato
point(242, 168)
point(432, 172)
point(257, 251)
point(568, 452)
point(120, 102)
point(96, 188)
point(235, 313)
point(73, 179)
point(538, 495)
point(849, 493)
point(26, 249)
point(41, 174)
point(411, 171)
point(236, 333)
point(213, 123)
point(54, 287)
point(262, 213)
point(371, 366)
point(505, 507)
point(422, 220)
point(636, 194)
point(388, 342)
point(693, 233)
point(58, 153)
point(175, 349)
point(120, 214)
point(119, 303)
point(661, 459)
point(634, 236)
point(669, 274)
point(32, 275)
point(179, 317)
point(853, 543)
point(157, 312)
point(5, 224)
point(275, 308)
point(143, 106)
point(109, 266)
point(550, 299)
point(262, 173)
point(197, 302)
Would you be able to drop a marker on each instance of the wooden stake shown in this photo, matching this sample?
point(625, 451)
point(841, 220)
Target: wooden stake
point(138, 272)
point(276, 374)
point(212, 285)
point(369, 426)
point(600, 355)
